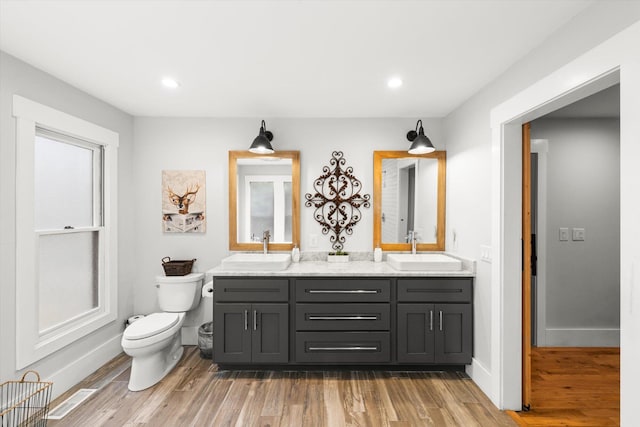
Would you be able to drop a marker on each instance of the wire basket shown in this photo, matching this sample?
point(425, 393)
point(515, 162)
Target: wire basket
point(24, 403)
point(177, 268)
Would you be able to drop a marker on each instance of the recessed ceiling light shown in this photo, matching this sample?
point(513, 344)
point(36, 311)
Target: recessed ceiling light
point(170, 83)
point(394, 82)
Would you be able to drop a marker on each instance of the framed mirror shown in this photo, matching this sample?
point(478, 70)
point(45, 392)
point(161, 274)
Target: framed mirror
point(409, 195)
point(264, 194)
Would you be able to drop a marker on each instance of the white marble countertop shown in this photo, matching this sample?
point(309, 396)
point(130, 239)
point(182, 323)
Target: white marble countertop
point(347, 269)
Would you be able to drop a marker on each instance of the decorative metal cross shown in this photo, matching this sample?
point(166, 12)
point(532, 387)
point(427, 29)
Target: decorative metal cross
point(337, 200)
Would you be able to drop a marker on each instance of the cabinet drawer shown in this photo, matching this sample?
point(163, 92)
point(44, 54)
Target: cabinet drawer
point(342, 347)
point(251, 290)
point(342, 317)
point(343, 290)
point(435, 290)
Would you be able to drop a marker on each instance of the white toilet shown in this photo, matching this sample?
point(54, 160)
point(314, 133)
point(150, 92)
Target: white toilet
point(154, 342)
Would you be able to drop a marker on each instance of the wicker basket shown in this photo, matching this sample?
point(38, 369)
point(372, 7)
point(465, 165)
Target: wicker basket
point(25, 403)
point(177, 268)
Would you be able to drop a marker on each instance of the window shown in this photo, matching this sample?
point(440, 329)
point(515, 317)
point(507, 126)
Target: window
point(66, 275)
point(68, 227)
point(268, 206)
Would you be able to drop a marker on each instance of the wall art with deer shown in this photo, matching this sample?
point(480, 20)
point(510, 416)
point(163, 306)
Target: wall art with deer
point(183, 201)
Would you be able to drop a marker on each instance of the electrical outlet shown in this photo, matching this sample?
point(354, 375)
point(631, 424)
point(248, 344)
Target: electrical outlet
point(313, 241)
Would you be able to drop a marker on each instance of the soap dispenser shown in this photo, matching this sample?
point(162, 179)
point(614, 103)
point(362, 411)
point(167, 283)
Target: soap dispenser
point(377, 254)
point(295, 254)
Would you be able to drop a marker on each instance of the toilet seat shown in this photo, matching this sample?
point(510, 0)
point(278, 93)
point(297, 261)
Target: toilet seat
point(150, 325)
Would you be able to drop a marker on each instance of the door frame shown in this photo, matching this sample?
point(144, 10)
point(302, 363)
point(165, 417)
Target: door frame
point(526, 264)
point(559, 89)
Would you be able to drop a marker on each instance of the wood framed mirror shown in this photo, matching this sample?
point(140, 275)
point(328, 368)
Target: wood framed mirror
point(409, 195)
point(264, 194)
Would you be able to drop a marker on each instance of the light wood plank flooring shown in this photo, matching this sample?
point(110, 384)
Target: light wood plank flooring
point(195, 393)
point(573, 387)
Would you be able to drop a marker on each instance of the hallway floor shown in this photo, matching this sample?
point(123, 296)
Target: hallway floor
point(573, 387)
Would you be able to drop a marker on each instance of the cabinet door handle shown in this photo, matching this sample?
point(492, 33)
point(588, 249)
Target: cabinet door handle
point(246, 320)
point(356, 348)
point(343, 317)
point(343, 291)
point(255, 320)
point(431, 320)
point(440, 319)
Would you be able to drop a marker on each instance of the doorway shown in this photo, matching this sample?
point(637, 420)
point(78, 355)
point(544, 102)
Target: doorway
point(571, 223)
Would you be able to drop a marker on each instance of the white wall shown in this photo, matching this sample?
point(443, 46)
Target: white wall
point(471, 165)
point(71, 364)
point(582, 277)
point(173, 143)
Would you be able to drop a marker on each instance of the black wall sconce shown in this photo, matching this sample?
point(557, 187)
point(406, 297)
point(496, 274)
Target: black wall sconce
point(262, 143)
point(421, 144)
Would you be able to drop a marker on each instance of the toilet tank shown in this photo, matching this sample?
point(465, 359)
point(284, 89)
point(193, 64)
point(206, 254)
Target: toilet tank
point(179, 293)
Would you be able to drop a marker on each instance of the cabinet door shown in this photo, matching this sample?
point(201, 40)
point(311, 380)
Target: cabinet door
point(270, 337)
point(416, 330)
point(453, 338)
point(231, 333)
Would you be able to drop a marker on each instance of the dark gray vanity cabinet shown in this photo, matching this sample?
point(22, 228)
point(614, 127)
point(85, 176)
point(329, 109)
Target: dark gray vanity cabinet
point(342, 320)
point(434, 321)
point(251, 321)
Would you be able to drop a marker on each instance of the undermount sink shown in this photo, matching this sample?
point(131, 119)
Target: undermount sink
point(424, 262)
point(257, 262)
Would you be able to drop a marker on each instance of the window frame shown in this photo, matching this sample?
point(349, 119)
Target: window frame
point(31, 345)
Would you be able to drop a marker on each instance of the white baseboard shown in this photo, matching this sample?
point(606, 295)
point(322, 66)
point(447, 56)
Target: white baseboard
point(583, 337)
point(79, 369)
point(482, 377)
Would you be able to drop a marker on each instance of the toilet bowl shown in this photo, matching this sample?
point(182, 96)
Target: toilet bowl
point(155, 341)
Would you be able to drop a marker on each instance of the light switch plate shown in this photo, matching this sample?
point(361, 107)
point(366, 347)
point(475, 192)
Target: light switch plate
point(564, 234)
point(578, 234)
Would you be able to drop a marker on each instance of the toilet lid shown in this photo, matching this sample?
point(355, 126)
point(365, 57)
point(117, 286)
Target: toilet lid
point(150, 325)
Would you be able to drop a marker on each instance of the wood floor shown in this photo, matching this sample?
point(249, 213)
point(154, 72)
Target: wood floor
point(196, 394)
point(573, 387)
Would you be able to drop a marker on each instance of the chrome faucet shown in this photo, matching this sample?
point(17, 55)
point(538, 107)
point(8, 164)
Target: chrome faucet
point(413, 238)
point(265, 241)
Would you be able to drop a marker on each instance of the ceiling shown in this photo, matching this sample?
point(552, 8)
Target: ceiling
point(280, 58)
point(603, 104)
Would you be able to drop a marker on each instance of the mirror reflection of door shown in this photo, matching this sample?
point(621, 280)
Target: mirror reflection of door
point(409, 199)
point(407, 192)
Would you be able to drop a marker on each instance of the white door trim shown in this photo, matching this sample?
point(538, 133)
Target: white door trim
point(617, 59)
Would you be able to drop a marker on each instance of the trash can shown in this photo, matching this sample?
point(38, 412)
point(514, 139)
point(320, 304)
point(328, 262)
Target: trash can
point(205, 340)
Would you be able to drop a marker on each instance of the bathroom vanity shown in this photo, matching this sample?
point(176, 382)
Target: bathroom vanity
point(315, 313)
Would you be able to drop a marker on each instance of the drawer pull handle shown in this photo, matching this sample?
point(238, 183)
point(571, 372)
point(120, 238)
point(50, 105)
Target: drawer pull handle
point(343, 317)
point(440, 319)
point(343, 291)
point(343, 348)
point(246, 320)
point(255, 320)
point(437, 291)
point(431, 320)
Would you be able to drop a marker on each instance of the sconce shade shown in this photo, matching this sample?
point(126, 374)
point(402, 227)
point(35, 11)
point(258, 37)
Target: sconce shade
point(262, 143)
point(421, 144)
